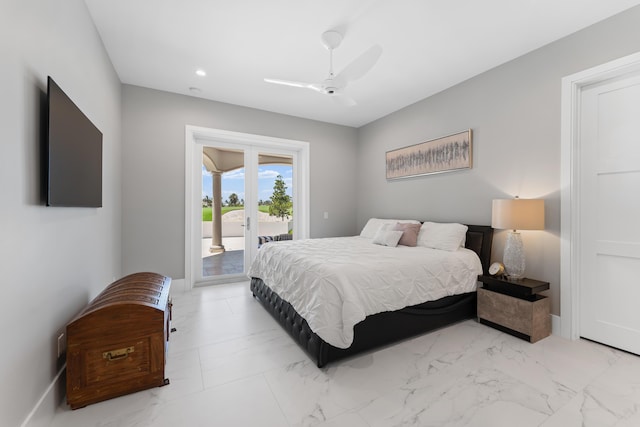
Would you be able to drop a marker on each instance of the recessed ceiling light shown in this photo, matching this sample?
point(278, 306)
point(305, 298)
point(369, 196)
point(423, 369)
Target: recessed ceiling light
point(201, 72)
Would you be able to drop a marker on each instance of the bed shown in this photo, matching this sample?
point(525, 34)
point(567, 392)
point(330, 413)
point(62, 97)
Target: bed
point(368, 330)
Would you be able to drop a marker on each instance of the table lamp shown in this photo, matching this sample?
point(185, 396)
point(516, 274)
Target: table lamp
point(516, 214)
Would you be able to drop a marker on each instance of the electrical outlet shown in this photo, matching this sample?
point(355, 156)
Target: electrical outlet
point(62, 344)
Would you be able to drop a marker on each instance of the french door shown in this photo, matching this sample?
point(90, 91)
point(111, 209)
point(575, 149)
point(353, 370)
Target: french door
point(233, 180)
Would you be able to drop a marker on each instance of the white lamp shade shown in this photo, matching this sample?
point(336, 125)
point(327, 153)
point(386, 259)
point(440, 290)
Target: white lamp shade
point(518, 214)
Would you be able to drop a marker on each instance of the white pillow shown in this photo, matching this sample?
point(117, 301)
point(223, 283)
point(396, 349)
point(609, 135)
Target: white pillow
point(374, 224)
point(370, 228)
point(445, 236)
point(387, 237)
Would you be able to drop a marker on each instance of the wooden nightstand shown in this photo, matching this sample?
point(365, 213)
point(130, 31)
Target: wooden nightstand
point(515, 306)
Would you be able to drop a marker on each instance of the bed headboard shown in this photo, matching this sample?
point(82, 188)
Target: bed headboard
point(479, 240)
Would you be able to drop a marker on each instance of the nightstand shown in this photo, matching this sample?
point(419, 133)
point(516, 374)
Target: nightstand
point(515, 306)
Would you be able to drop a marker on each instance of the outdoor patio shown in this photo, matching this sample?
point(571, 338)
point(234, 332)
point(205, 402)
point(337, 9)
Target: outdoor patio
point(231, 261)
point(227, 262)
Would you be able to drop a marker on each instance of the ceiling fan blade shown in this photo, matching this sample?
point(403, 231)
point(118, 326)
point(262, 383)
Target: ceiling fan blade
point(292, 83)
point(317, 87)
point(344, 100)
point(359, 66)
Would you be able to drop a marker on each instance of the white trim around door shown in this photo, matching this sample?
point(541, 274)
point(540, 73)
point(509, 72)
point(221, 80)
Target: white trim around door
point(195, 135)
point(572, 87)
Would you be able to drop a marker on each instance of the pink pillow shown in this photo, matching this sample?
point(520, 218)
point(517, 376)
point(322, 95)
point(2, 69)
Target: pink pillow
point(409, 235)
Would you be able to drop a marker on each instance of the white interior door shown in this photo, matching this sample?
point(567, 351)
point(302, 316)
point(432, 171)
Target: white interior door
point(609, 233)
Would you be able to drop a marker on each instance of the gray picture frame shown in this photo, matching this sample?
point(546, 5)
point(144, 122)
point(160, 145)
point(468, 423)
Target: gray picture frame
point(445, 154)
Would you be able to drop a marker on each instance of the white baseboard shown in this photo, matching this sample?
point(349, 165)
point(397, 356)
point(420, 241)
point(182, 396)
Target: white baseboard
point(42, 414)
point(555, 325)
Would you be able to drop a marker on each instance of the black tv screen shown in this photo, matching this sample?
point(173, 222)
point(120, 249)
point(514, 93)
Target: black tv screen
point(74, 153)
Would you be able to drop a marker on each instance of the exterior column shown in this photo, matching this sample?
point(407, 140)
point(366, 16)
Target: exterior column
point(216, 243)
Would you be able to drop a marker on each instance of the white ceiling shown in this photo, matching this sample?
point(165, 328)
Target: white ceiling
point(428, 46)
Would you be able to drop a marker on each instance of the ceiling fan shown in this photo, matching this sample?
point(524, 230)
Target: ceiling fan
point(334, 85)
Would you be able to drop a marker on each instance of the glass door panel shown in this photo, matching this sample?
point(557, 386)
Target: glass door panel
point(275, 197)
point(223, 213)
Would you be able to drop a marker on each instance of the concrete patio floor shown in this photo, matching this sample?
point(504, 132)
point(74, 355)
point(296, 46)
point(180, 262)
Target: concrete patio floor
point(228, 262)
point(231, 261)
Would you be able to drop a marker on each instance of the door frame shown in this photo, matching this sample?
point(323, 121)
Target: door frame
point(301, 185)
point(570, 220)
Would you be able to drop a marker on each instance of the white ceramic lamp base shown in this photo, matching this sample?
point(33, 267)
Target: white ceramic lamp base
point(513, 258)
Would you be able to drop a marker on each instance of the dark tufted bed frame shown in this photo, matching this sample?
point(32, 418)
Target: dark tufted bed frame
point(382, 328)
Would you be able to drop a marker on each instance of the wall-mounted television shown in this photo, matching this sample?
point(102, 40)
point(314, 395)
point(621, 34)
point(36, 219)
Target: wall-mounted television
point(74, 153)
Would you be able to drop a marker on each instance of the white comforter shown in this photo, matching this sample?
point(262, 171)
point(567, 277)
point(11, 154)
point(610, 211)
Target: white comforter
point(334, 283)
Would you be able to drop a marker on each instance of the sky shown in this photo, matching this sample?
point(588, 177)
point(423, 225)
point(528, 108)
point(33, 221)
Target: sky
point(233, 182)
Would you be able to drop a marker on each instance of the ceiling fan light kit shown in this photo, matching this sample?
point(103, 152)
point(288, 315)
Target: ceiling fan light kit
point(334, 85)
point(331, 39)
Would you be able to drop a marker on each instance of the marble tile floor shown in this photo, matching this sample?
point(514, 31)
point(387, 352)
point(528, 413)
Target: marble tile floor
point(230, 364)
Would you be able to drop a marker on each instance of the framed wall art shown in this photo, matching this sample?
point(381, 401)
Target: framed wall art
point(446, 154)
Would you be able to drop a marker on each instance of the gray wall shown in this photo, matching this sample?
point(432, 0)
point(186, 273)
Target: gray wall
point(153, 127)
point(53, 260)
point(514, 111)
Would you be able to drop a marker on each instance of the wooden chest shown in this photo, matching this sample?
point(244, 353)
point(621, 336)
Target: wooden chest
point(118, 343)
